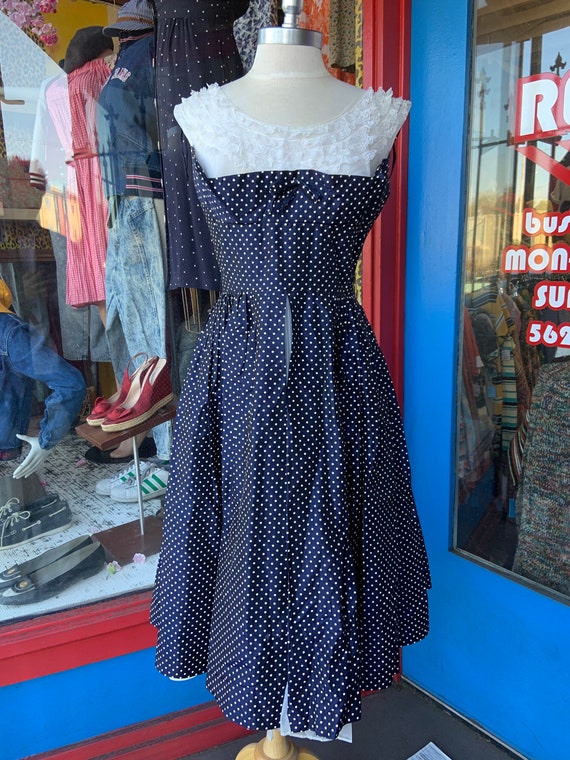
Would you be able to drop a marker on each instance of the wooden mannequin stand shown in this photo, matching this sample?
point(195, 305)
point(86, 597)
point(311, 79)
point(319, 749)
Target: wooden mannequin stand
point(274, 747)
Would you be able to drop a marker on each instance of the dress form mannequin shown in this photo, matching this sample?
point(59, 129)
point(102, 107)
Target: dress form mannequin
point(289, 88)
point(288, 85)
point(274, 747)
point(270, 151)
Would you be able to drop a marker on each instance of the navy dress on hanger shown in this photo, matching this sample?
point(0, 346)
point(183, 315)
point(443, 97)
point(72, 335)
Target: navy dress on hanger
point(195, 46)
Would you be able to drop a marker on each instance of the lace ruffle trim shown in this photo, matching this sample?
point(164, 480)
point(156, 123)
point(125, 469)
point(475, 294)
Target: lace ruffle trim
point(361, 135)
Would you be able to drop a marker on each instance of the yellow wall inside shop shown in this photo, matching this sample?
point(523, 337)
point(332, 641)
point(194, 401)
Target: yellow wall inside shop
point(72, 15)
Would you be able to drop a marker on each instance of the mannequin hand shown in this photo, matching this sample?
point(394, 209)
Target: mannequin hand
point(36, 456)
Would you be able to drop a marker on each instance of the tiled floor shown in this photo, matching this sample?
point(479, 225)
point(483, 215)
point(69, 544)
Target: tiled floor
point(396, 724)
point(69, 475)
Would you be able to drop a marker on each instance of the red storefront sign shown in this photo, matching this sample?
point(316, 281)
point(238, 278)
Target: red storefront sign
point(543, 112)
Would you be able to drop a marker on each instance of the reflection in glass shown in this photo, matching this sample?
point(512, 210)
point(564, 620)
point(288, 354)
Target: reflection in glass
point(52, 342)
point(513, 421)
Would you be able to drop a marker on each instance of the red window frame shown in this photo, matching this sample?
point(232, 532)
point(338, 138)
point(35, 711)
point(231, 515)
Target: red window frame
point(386, 60)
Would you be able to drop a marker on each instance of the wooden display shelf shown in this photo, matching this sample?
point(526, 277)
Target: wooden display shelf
point(105, 441)
point(122, 542)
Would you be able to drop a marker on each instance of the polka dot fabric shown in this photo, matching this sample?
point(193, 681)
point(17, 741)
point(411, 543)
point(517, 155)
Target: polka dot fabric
point(292, 553)
point(195, 46)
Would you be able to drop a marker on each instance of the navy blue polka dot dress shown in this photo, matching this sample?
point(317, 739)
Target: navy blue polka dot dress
point(292, 559)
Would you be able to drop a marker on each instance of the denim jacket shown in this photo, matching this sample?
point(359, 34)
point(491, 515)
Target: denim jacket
point(127, 126)
point(25, 357)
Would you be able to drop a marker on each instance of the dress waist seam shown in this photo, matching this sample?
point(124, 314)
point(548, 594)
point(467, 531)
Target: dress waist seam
point(292, 295)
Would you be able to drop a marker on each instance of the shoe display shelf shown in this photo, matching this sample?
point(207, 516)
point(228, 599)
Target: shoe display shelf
point(111, 440)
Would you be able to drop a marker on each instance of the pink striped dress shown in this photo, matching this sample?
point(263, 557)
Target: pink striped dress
point(72, 103)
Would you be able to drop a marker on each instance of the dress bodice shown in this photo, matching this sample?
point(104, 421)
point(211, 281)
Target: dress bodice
point(290, 232)
point(228, 141)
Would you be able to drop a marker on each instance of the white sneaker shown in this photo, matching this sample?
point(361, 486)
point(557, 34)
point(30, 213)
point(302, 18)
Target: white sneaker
point(153, 484)
point(103, 487)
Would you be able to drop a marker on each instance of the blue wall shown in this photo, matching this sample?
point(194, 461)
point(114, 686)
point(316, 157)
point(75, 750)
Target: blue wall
point(497, 652)
point(61, 709)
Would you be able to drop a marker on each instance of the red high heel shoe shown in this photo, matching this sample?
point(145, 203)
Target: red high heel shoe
point(103, 406)
point(149, 392)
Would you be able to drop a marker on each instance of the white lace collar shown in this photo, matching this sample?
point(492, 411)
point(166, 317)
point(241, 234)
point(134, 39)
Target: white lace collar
point(228, 141)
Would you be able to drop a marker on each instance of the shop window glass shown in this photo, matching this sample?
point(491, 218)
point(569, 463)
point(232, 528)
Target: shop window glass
point(513, 403)
point(66, 538)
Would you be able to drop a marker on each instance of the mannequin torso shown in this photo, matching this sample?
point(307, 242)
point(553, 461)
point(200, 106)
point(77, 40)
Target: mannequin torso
point(289, 85)
point(289, 113)
point(292, 185)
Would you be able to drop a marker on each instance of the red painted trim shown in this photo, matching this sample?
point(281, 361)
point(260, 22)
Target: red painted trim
point(386, 57)
point(171, 737)
point(66, 640)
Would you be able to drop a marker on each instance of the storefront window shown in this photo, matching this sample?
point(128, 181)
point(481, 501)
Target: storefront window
point(99, 309)
point(56, 524)
point(513, 406)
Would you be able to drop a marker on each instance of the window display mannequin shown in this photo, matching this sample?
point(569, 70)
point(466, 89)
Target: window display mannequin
point(127, 128)
point(293, 565)
point(24, 358)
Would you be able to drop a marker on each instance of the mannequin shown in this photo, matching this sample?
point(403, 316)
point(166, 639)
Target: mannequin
point(24, 358)
point(290, 86)
point(287, 85)
point(275, 184)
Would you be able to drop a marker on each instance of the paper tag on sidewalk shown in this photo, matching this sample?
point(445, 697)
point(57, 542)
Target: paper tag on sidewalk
point(430, 752)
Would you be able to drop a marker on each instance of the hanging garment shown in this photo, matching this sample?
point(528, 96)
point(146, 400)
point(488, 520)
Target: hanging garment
point(543, 500)
point(127, 122)
point(82, 333)
point(342, 34)
point(475, 429)
point(72, 105)
point(135, 274)
point(261, 13)
point(292, 561)
point(195, 46)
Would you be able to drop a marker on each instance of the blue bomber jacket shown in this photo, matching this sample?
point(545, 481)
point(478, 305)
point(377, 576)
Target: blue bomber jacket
point(127, 127)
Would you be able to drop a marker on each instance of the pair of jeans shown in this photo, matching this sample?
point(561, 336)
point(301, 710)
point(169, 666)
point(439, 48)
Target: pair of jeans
point(136, 290)
point(24, 358)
